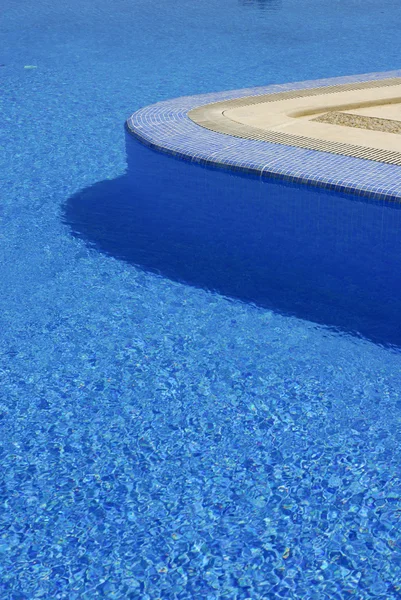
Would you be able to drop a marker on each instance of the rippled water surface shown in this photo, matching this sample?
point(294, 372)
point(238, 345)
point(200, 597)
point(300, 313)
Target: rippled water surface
point(189, 411)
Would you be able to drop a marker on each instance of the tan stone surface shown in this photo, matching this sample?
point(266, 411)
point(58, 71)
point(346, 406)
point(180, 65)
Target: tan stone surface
point(386, 111)
point(296, 116)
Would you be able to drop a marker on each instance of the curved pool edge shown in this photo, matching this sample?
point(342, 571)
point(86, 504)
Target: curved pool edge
point(166, 127)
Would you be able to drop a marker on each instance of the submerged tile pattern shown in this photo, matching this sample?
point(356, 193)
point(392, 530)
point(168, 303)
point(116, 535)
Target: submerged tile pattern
point(166, 127)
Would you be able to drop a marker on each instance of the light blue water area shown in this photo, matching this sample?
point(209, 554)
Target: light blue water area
point(177, 420)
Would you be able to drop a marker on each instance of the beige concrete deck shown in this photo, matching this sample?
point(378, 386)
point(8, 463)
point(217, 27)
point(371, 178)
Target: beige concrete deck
point(372, 131)
point(296, 116)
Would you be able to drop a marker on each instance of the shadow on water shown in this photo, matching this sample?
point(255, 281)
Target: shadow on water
point(267, 5)
point(331, 259)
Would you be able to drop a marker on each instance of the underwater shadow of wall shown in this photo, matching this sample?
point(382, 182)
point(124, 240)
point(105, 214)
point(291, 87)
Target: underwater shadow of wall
point(264, 5)
point(328, 258)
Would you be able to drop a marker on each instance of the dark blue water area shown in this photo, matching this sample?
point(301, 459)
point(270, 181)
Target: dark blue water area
point(200, 378)
point(330, 258)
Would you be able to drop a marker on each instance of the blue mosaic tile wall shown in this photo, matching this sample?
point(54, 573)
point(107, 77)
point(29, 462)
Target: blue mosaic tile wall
point(166, 127)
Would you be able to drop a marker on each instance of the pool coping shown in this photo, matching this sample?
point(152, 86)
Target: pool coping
point(167, 127)
point(232, 117)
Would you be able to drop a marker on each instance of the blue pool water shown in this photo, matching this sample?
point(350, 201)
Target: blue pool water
point(191, 406)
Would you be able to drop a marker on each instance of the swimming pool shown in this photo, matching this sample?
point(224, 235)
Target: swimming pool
point(168, 429)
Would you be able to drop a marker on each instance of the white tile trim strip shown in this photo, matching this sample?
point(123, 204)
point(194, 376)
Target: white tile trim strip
point(166, 127)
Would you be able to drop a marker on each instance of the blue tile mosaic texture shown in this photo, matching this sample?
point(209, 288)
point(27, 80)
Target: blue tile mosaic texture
point(167, 127)
point(200, 375)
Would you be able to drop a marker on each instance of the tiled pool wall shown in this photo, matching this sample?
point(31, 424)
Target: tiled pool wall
point(330, 257)
point(165, 126)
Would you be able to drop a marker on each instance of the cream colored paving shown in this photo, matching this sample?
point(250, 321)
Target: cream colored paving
point(296, 116)
point(292, 118)
point(385, 111)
